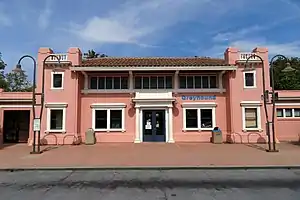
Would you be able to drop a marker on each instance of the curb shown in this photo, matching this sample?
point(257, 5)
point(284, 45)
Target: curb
point(164, 168)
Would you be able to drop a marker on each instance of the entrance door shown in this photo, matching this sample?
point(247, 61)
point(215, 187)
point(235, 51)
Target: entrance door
point(16, 126)
point(154, 127)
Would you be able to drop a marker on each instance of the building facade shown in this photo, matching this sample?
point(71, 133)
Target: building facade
point(149, 100)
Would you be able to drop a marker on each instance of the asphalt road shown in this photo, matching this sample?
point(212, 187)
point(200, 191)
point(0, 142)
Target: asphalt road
point(142, 185)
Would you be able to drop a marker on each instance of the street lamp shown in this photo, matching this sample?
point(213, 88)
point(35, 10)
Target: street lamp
point(265, 96)
point(36, 119)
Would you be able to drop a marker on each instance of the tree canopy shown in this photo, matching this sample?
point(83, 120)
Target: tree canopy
point(14, 81)
point(287, 80)
point(93, 54)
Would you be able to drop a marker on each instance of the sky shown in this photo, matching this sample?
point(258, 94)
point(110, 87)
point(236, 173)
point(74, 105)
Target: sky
point(148, 27)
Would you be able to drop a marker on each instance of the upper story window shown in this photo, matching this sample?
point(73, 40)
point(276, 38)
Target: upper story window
point(153, 82)
point(198, 82)
point(57, 80)
point(108, 83)
point(288, 112)
point(250, 79)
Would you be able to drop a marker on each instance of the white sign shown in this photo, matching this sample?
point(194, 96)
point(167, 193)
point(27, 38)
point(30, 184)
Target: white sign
point(148, 126)
point(36, 124)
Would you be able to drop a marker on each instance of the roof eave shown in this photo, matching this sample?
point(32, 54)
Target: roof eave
point(151, 68)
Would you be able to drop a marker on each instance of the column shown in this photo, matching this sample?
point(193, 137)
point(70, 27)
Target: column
point(170, 115)
point(86, 80)
point(176, 81)
point(137, 125)
point(221, 81)
point(130, 81)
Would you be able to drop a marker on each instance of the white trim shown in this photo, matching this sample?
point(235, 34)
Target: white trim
point(56, 105)
point(199, 104)
point(63, 130)
point(251, 103)
point(254, 78)
point(258, 117)
point(108, 105)
point(16, 106)
point(204, 90)
point(62, 81)
point(108, 108)
point(154, 68)
point(287, 104)
point(200, 107)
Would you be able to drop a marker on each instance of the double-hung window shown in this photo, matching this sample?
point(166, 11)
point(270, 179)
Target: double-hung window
point(250, 79)
point(57, 80)
point(198, 82)
point(56, 117)
point(153, 82)
point(199, 117)
point(251, 116)
point(108, 117)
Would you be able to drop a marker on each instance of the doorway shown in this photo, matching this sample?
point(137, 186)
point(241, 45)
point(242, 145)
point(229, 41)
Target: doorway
point(154, 126)
point(16, 126)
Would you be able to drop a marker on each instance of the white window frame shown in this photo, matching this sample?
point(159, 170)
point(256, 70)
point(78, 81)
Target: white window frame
point(199, 107)
point(56, 106)
point(254, 78)
point(251, 104)
point(108, 107)
point(284, 115)
point(62, 81)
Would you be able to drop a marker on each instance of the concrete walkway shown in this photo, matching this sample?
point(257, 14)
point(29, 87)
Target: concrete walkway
point(149, 155)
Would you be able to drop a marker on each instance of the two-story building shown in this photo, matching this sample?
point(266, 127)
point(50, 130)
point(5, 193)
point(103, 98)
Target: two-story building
point(143, 99)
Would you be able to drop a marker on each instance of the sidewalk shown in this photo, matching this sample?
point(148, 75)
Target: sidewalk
point(149, 155)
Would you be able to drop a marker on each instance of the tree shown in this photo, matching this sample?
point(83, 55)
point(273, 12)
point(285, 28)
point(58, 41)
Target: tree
point(3, 83)
point(287, 80)
point(17, 81)
point(91, 54)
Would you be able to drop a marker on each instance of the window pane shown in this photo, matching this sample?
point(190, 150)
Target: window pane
point(205, 82)
point(153, 81)
point(57, 80)
point(117, 83)
point(138, 82)
point(206, 118)
point(169, 82)
point(249, 79)
point(190, 82)
point(146, 82)
point(251, 117)
point(109, 83)
point(182, 82)
point(288, 112)
point(191, 118)
point(101, 119)
point(124, 83)
point(161, 82)
point(93, 82)
point(101, 83)
point(279, 112)
point(198, 82)
point(116, 119)
point(297, 112)
point(56, 119)
point(213, 81)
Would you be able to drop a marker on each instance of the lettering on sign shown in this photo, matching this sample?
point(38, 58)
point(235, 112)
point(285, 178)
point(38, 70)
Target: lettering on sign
point(195, 98)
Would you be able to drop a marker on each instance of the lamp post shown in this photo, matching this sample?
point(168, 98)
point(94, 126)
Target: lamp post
point(36, 118)
point(265, 96)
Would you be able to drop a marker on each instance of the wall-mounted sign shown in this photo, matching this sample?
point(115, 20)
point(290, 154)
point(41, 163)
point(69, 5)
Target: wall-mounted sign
point(195, 98)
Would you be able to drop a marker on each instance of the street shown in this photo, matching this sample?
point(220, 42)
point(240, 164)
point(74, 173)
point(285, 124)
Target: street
point(151, 184)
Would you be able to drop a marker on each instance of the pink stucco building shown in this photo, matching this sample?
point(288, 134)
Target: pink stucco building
point(149, 100)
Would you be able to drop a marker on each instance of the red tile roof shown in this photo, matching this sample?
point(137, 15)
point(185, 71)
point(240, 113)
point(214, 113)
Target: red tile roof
point(150, 61)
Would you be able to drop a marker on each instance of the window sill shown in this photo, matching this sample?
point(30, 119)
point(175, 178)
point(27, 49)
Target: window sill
point(55, 131)
point(56, 88)
point(208, 90)
point(110, 130)
point(250, 87)
point(252, 129)
point(95, 91)
point(196, 129)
